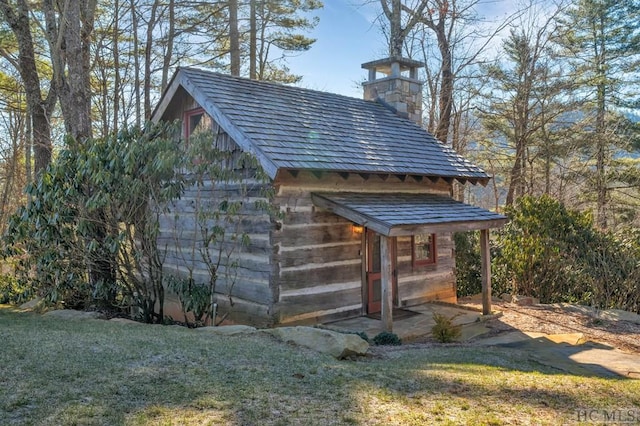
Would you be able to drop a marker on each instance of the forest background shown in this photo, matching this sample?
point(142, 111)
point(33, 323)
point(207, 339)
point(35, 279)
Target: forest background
point(545, 100)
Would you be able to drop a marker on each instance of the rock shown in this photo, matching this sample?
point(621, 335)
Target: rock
point(72, 314)
point(338, 345)
point(31, 304)
point(619, 315)
point(606, 314)
point(228, 330)
point(125, 321)
point(506, 297)
point(525, 300)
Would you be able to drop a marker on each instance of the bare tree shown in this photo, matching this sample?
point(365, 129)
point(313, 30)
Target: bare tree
point(40, 107)
point(234, 38)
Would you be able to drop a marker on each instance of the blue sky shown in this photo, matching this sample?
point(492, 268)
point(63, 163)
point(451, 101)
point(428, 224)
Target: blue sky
point(347, 37)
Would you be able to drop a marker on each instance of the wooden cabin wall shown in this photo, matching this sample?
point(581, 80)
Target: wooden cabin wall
point(243, 279)
point(426, 283)
point(318, 258)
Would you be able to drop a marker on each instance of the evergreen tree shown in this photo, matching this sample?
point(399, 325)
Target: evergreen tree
point(600, 39)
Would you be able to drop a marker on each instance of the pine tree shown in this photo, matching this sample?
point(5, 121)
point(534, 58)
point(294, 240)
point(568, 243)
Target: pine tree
point(600, 39)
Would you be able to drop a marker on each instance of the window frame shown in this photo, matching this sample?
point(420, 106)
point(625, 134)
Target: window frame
point(187, 120)
point(432, 260)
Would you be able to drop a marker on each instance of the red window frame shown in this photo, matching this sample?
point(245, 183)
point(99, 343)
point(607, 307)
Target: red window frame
point(431, 260)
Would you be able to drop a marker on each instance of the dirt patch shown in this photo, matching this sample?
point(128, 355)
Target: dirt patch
point(556, 319)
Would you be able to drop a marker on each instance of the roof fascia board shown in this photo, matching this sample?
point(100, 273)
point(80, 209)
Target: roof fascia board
point(475, 225)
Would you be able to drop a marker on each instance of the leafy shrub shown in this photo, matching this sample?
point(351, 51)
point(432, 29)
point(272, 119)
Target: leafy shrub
point(387, 338)
point(468, 263)
point(444, 331)
point(88, 234)
point(363, 336)
point(12, 291)
point(556, 255)
point(195, 299)
point(360, 334)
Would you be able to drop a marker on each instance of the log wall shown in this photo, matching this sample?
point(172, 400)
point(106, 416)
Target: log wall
point(243, 285)
point(318, 257)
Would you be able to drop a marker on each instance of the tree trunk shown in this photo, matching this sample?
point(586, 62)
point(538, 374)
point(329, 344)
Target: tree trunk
point(168, 55)
point(445, 100)
point(147, 60)
point(70, 39)
point(253, 42)
point(234, 38)
point(116, 67)
point(136, 63)
point(39, 109)
point(601, 179)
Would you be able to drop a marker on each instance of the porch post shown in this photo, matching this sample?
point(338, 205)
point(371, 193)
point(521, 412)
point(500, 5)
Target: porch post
point(386, 282)
point(485, 256)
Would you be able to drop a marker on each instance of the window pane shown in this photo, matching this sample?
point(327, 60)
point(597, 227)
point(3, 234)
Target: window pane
point(423, 247)
point(375, 254)
point(199, 123)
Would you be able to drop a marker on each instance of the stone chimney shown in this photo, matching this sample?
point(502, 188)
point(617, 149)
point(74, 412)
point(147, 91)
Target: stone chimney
point(398, 87)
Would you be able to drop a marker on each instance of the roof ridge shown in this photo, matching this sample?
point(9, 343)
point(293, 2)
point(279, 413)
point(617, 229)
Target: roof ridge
point(269, 83)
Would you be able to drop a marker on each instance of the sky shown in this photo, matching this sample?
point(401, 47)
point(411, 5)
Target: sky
point(347, 37)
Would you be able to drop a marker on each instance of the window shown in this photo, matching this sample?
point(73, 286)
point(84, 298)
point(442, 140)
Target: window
point(423, 249)
point(196, 121)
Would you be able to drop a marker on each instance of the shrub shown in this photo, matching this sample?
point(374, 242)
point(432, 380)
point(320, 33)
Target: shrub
point(556, 255)
point(88, 233)
point(444, 331)
point(468, 263)
point(12, 292)
point(363, 336)
point(387, 338)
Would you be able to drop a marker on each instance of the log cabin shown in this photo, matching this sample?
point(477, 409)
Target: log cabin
point(363, 195)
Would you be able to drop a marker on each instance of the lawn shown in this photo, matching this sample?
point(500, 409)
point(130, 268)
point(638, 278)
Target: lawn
point(64, 372)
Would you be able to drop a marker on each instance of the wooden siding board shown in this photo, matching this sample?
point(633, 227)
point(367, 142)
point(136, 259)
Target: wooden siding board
point(308, 304)
point(316, 255)
point(320, 275)
point(328, 233)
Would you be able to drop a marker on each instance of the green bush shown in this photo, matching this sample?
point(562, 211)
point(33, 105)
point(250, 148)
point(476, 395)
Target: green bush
point(468, 263)
point(12, 292)
point(87, 235)
point(444, 331)
point(557, 255)
point(387, 338)
point(195, 299)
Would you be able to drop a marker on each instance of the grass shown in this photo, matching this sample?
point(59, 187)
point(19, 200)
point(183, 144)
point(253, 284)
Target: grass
point(65, 372)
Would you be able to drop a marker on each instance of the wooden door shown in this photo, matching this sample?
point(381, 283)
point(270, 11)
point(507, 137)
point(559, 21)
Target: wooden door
point(374, 273)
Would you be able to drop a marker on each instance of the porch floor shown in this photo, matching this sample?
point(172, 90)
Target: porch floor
point(414, 327)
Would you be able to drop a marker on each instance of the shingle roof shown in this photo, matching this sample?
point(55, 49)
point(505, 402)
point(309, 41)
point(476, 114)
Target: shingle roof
point(407, 214)
point(301, 129)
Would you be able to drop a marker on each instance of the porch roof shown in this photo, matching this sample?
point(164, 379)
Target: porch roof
point(397, 214)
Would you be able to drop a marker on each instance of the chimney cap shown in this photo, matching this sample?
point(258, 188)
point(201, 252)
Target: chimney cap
point(385, 65)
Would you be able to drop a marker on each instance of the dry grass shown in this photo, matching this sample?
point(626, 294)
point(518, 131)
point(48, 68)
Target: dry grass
point(56, 372)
